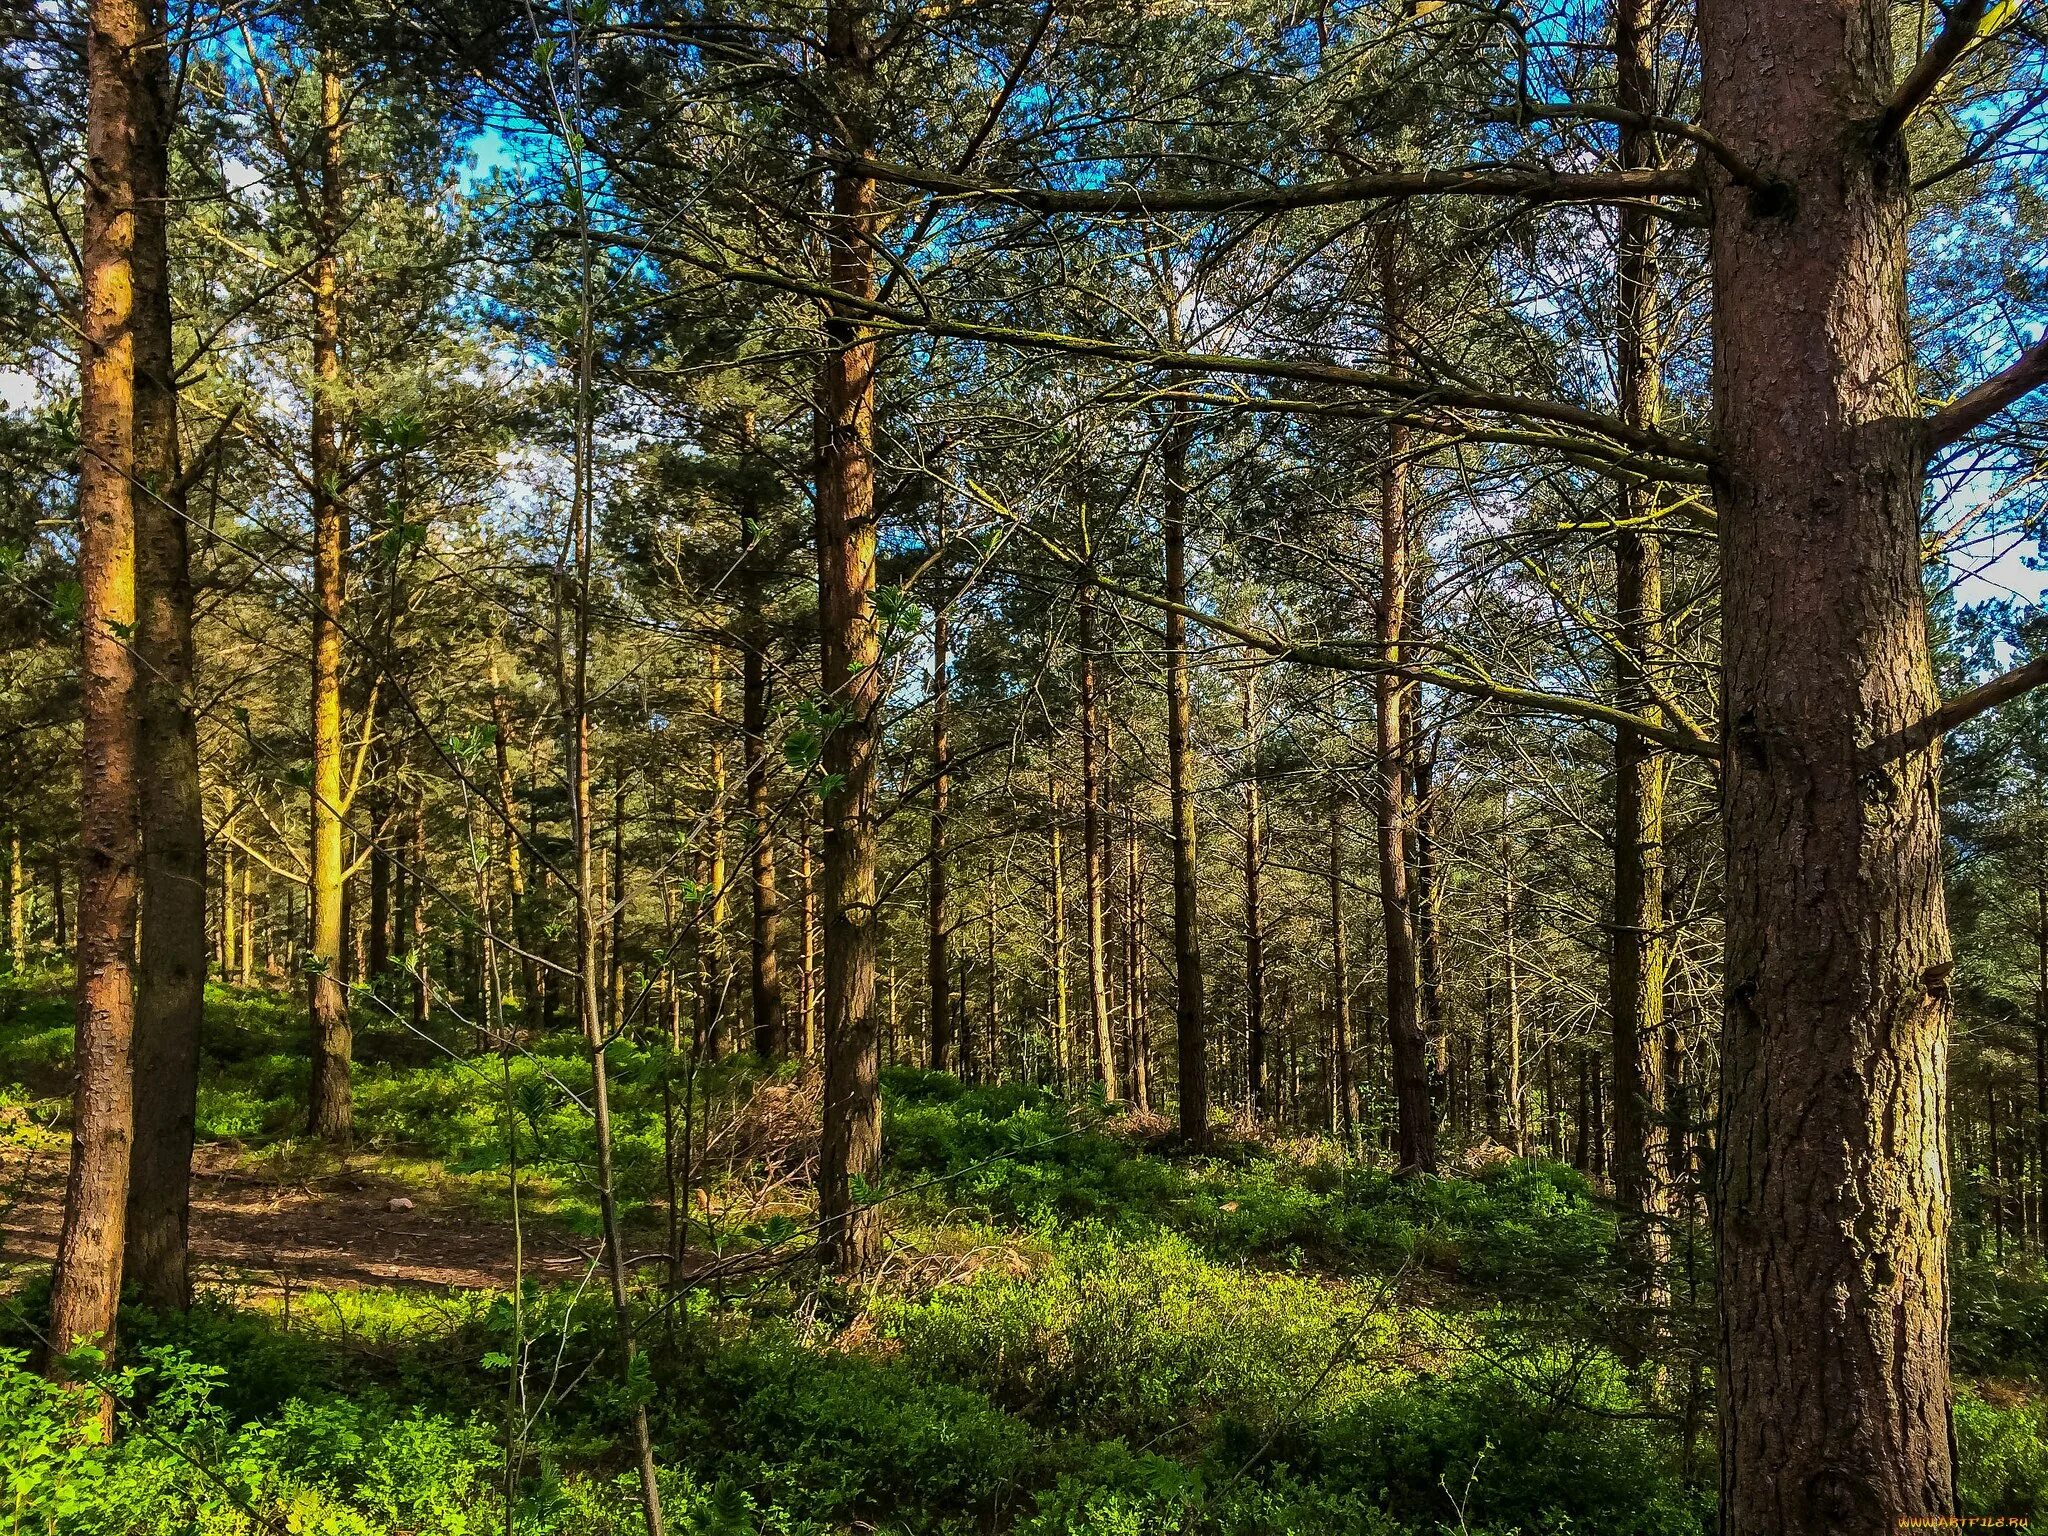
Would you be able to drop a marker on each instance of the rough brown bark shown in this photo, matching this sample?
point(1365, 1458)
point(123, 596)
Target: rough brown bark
point(172, 957)
point(330, 1113)
point(1190, 1012)
point(87, 1288)
point(1832, 1208)
point(850, 651)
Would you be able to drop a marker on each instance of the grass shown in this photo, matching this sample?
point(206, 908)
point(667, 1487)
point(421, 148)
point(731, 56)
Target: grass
point(1074, 1333)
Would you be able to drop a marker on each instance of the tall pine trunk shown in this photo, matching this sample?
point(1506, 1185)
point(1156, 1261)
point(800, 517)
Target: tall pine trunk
point(1636, 957)
point(1832, 1210)
point(850, 652)
point(329, 1110)
point(172, 982)
point(87, 1288)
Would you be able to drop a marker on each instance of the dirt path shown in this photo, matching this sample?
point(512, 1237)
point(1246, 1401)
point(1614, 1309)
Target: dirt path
point(332, 1231)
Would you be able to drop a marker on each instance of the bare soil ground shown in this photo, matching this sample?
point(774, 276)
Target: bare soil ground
point(333, 1231)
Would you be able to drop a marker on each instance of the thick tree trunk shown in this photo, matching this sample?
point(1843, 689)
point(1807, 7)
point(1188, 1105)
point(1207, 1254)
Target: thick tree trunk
point(938, 919)
point(172, 956)
point(1408, 1047)
point(850, 647)
point(1636, 955)
point(1190, 1011)
point(87, 1288)
point(329, 1111)
point(1832, 1211)
point(1093, 834)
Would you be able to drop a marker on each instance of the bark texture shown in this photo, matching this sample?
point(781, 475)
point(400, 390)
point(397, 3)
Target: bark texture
point(1832, 1208)
point(850, 651)
point(329, 1112)
point(87, 1287)
point(172, 981)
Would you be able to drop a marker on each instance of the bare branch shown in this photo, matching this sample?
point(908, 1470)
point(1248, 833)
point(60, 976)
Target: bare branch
point(1527, 183)
point(1958, 711)
point(1997, 393)
point(1357, 656)
point(1962, 28)
point(1421, 389)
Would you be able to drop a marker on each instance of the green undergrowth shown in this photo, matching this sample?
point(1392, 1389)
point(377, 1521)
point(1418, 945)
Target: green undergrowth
point(1075, 1331)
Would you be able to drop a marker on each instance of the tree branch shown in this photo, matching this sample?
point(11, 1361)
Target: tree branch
point(1958, 32)
point(1958, 711)
point(1423, 390)
point(2002, 390)
point(1340, 657)
point(1529, 184)
point(1538, 112)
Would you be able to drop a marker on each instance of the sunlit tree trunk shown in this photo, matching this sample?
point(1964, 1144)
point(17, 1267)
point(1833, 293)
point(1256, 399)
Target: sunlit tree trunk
point(17, 898)
point(330, 1113)
point(850, 650)
point(87, 1287)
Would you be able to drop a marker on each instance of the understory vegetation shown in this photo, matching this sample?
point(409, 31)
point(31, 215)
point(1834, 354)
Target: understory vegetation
point(1074, 1329)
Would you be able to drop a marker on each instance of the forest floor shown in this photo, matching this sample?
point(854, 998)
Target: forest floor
point(1075, 1328)
point(256, 1230)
